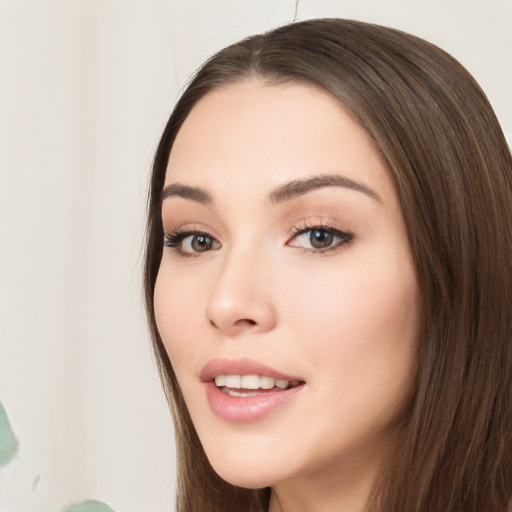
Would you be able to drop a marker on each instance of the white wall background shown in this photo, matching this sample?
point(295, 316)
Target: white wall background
point(85, 88)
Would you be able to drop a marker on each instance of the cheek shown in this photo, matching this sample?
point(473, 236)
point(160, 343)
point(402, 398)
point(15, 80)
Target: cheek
point(176, 311)
point(355, 301)
point(360, 326)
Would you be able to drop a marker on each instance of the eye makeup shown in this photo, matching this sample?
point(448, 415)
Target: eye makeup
point(190, 242)
point(319, 237)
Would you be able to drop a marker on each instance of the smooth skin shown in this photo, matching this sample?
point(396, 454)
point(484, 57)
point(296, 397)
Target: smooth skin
point(316, 282)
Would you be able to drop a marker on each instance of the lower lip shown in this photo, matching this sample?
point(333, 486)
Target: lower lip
point(248, 408)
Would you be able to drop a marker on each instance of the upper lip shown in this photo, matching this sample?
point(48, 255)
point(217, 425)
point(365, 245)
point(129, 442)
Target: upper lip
point(243, 366)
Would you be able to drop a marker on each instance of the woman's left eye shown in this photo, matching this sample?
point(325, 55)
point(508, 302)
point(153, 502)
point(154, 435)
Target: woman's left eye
point(319, 239)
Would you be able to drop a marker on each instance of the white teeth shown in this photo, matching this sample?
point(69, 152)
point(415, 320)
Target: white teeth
point(281, 383)
point(267, 382)
point(251, 382)
point(233, 381)
point(232, 392)
point(220, 380)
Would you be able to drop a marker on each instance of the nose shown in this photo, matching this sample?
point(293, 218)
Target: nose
point(242, 299)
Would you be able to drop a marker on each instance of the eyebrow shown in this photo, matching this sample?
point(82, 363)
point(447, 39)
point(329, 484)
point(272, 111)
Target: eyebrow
point(193, 193)
point(281, 194)
point(303, 186)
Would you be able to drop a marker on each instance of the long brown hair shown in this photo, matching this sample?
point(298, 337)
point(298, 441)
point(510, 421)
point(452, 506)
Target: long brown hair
point(452, 170)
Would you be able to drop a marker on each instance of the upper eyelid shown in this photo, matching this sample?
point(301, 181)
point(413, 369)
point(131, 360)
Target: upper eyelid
point(305, 229)
point(190, 228)
point(317, 223)
point(183, 233)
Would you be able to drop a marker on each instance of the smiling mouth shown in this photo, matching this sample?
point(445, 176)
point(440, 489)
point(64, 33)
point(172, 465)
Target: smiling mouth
point(252, 385)
point(245, 390)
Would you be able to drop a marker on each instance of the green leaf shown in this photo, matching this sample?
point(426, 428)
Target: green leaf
point(88, 506)
point(8, 442)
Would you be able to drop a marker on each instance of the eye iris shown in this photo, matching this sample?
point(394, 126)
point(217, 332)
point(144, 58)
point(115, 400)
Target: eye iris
point(320, 238)
point(201, 243)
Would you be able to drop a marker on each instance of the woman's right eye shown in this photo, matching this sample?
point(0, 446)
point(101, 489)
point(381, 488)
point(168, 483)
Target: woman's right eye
point(189, 243)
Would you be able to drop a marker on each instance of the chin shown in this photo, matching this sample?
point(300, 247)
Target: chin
point(245, 473)
point(247, 481)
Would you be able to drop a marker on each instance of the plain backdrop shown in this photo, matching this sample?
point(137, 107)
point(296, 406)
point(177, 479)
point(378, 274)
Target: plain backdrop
point(85, 89)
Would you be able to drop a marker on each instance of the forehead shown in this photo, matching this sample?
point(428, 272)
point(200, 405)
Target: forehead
point(251, 134)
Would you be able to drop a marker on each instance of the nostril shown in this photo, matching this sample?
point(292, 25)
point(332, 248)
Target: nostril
point(246, 321)
point(239, 323)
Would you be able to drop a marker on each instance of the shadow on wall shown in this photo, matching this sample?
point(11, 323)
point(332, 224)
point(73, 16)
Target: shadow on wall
point(9, 445)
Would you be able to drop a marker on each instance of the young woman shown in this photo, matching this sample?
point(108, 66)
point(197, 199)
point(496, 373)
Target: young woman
point(329, 280)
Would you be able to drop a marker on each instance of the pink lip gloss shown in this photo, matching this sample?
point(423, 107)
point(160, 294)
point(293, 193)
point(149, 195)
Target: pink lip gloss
point(247, 404)
point(248, 408)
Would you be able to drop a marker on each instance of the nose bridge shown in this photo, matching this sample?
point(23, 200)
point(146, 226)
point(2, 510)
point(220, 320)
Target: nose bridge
point(240, 299)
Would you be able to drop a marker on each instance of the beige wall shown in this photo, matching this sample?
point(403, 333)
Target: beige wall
point(85, 87)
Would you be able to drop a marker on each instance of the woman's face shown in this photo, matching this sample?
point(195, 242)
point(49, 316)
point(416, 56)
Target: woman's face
point(287, 277)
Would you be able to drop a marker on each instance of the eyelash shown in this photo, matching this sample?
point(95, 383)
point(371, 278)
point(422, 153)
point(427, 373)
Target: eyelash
point(175, 238)
point(345, 237)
